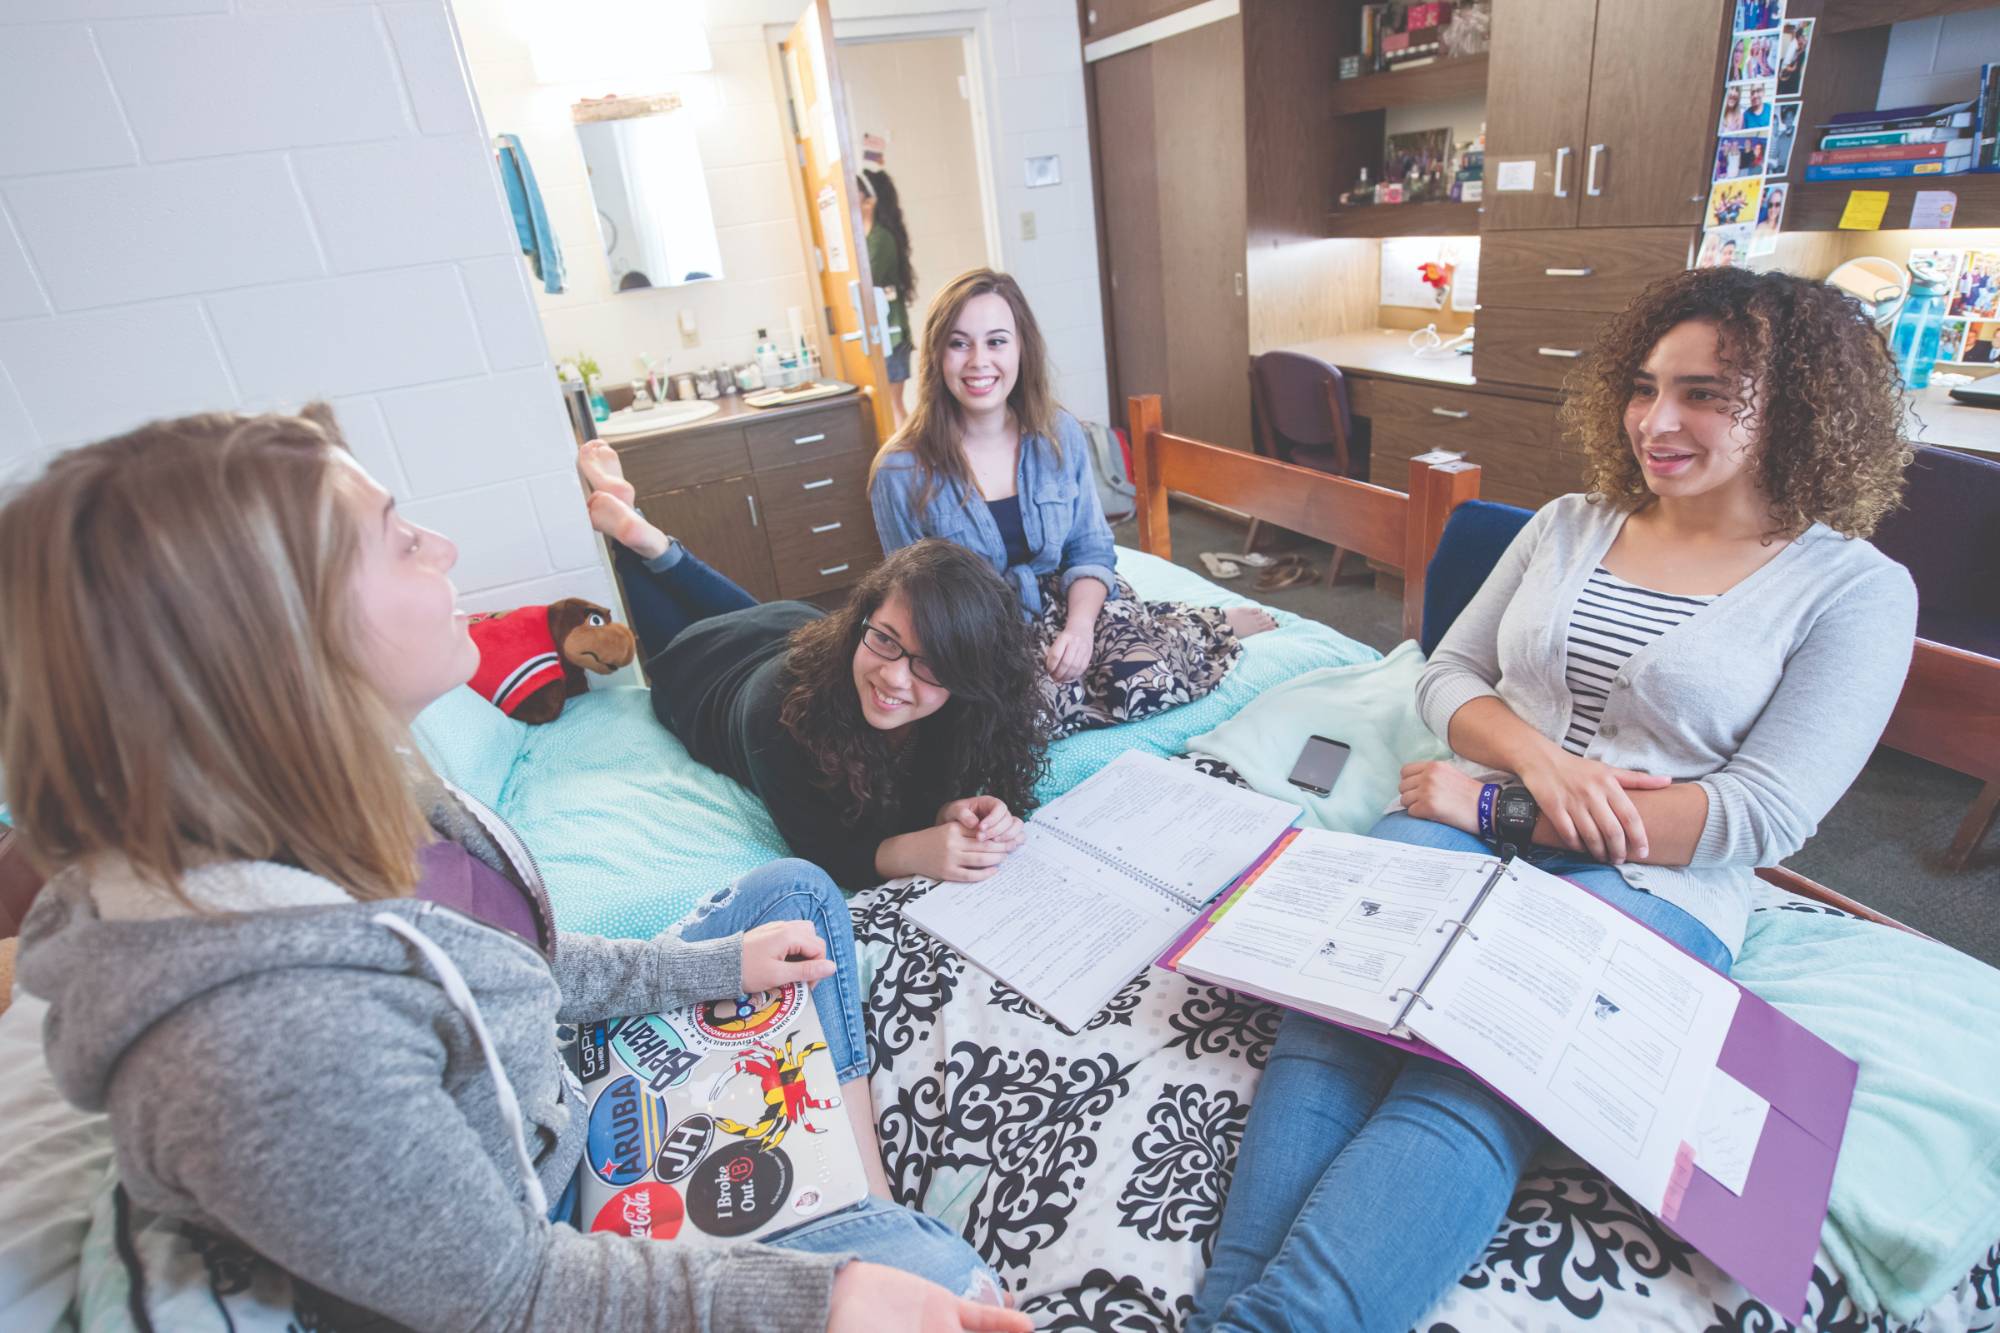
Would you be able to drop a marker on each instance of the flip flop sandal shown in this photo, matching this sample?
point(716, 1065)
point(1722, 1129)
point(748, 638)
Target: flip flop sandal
point(1221, 566)
point(1290, 571)
point(1258, 560)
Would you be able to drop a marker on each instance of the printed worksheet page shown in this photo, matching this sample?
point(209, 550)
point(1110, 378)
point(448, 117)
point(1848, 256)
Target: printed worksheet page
point(1340, 925)
point(1054, 923)
point(1597, 1027)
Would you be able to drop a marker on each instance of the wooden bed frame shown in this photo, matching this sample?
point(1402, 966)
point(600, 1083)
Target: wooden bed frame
point(1397, 528)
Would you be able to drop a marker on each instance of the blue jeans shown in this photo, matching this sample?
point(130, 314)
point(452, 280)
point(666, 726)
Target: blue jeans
point(1370, 1179)
point(876, 1230)
point(671, 591)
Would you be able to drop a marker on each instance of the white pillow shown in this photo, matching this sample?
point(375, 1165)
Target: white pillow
point(53, 1158)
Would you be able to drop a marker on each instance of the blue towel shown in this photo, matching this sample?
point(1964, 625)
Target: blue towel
point(531, 220)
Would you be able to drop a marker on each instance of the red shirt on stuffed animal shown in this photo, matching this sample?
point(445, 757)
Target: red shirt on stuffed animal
point(533, 658)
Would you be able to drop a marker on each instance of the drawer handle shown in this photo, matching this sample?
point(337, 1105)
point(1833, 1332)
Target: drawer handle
point(1567, 353)
point(815, 485)
point(837, 569)
point(827, 527)
point(1568, 272)
point(1459, 415)
point(810, 439)
point(751, 500)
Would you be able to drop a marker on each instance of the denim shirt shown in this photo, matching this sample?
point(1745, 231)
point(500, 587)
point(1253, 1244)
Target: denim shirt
point(1060, 513)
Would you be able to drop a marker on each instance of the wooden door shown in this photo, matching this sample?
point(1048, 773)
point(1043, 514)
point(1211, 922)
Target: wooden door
point(724, 522)
point(1170, 160)
point(1537, 101)
point(1655, 84)
point(855, 320)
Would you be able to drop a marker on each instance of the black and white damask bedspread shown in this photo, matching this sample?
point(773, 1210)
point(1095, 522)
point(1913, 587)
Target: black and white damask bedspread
point(1090, 1170)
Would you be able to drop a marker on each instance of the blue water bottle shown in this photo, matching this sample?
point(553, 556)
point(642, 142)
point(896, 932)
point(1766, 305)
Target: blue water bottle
point(1915, 344)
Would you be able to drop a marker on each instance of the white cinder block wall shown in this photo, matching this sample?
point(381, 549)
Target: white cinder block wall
point(273, 203)
point(1937, 59)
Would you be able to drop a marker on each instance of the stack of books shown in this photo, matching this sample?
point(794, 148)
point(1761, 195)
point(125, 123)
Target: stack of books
point(1941, 140)
point(1401, 36)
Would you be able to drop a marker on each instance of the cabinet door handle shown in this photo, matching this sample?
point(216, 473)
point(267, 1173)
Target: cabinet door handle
point(1568, 272)
point(1562, 163)
point(1459, 415)
point(827, 527)
point(751, 500)
point(837, 569)
point(815, 485)
point(1567, 353)
point(1590, 177)
point(810, 439)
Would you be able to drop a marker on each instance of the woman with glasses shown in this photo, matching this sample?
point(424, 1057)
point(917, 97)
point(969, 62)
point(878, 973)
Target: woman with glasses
point(900, 735)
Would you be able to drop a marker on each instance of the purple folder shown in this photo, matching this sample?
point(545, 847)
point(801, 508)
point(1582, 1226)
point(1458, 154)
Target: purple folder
point(1766, 1237)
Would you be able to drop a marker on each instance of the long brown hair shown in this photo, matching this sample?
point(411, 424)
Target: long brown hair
point(936, 425)
point(179, 678)
point(989, 738)
point(1826, 397)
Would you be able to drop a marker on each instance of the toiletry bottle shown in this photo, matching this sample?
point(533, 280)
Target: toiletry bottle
point(768, 360)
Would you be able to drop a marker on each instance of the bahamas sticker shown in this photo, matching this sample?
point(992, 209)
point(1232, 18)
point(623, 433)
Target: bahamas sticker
point(685, 1144)
point(738, 1022)
point(654, 1049)
point(738, 1189)
point(648, 1211)
point(627, 1127)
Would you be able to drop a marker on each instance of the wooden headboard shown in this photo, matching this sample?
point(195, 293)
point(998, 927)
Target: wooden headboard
point(1397, 528)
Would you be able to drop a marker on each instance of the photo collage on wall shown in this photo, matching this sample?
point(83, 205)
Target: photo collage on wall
point(1763, 84)
point(1971, 332)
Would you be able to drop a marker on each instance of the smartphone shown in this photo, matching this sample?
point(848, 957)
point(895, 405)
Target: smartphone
point(1319, 765)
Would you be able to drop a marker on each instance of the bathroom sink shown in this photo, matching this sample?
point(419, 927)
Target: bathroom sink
point(664, 416)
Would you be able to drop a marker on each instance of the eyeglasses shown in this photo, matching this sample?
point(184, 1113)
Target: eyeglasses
point(885, 646)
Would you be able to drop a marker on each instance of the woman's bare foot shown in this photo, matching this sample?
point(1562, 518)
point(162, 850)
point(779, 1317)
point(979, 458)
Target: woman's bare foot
point(597, 463)
point(1248, 620)
point(619, 521)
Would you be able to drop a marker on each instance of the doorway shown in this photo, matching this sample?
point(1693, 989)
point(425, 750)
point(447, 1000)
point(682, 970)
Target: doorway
point(914, 110)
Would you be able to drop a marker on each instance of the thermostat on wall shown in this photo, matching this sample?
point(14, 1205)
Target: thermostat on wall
point(1044, 171)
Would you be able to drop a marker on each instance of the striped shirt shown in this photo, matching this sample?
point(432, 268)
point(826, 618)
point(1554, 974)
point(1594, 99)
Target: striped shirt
point(1613, 620)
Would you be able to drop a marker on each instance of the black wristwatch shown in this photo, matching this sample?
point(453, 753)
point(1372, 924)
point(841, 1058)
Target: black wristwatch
point(1514, 816)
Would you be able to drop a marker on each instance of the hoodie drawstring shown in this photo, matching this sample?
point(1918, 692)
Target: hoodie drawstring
point(461, 999)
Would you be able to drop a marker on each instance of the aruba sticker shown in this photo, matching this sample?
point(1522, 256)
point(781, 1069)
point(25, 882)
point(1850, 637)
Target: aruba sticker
point(685, 1144)
point(738, 1189)
point(627, 1127)
point(654, 1049)
point(647, 1211)
point(738, 1022)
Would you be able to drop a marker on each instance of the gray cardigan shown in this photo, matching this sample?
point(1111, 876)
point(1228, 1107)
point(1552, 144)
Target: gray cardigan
point(287, 1070)
point(1771, 697)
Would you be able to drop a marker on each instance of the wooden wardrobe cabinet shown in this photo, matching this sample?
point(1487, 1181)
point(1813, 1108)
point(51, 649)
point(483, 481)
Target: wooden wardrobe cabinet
point(1612, 101)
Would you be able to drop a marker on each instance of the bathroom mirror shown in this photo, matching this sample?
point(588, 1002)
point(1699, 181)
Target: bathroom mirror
point(650, 192)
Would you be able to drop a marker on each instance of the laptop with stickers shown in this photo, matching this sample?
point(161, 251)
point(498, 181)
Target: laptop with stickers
point(718, 1123)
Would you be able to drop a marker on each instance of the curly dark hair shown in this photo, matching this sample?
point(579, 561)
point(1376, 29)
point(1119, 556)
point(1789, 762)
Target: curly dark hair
point(990, 738)
point(1825, 398)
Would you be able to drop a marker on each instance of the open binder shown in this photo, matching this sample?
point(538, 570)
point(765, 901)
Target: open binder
point(1701, 1101)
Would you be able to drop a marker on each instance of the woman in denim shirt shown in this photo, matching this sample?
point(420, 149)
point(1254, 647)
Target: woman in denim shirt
point(988, 460)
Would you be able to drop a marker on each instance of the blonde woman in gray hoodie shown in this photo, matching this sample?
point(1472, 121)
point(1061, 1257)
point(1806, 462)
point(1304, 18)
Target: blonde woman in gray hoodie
point(214, 633)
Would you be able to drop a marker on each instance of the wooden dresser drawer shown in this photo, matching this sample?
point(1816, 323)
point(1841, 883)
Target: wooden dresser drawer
point(812, 559)
point(805, 436)
point(1533, 347)
point(1602, 269)
point(683, 458)
point(817, 492)
point(1514, 441)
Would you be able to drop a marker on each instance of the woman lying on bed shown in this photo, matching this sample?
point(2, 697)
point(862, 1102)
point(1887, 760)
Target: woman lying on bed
point(315, 989)
point(850, 727)
point(1684, 670)
point(989, 461)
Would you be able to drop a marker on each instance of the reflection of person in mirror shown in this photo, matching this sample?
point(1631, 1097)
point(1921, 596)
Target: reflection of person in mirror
point(889, 266)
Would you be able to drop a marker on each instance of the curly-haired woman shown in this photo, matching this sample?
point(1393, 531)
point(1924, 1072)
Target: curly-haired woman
point(1685, 668)
point(847, 726)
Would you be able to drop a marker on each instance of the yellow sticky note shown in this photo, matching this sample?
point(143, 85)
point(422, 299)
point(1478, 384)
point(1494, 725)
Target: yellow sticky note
point(1864, 210)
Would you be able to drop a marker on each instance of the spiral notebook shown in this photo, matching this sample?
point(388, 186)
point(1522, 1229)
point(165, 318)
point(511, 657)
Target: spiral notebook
point(1109, 874)
point(1693, 1095)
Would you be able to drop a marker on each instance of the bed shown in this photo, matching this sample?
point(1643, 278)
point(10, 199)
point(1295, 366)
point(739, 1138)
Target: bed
point(1090, 1170)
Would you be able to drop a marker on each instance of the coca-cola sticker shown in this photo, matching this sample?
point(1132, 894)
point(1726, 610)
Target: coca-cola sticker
point(647, 1211)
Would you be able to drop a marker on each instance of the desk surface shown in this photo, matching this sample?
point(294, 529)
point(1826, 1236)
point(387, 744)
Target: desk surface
point(1386, 353)
point(1940, 420)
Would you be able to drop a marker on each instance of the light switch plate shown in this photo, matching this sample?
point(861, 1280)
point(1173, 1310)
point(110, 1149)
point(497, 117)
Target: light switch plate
point(1027, 226)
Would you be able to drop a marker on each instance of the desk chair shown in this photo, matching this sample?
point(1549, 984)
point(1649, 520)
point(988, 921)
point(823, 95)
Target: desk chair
point(1299, 414)
point(1947, 534)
